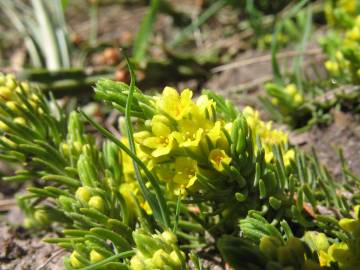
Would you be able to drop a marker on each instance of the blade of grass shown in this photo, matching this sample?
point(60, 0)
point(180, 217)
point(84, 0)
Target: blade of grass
point(93, 13)
point(61, 33)
point(274, 44)
point(30, 44)
point(51, 51)
point(159, 196)
point(142, 38)
point(148, 174)
point(207, 14)
point(301, 48)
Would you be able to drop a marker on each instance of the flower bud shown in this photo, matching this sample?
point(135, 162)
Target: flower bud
point(19, 120)
point(97, 202)
point(83, 194)
point(332, 67)
point(169, 237)
point(291, 90)
point(3, 126)
point(10, 82)
point(5, 92)
point(7, 141)
point(298, 99)
point(78, 146)
point(75, 261)
point(42, 217)
point(65, 148)
point(29, 223)
point(275, 101)
point(11, 105)
point(25, 86)
point(96, 256)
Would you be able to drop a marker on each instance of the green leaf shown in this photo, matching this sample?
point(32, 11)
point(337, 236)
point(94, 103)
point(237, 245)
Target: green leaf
point(142, 37)
point(207, 14)
point(157, 204)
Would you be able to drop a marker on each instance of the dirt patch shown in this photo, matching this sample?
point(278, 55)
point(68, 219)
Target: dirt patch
point(21, 249)
point(343, 133)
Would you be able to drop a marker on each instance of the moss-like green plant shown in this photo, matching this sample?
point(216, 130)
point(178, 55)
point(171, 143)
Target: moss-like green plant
point(303, 97)
point(184, 173)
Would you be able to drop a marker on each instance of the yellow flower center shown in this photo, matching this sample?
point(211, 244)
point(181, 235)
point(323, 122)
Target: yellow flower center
point(164, 140)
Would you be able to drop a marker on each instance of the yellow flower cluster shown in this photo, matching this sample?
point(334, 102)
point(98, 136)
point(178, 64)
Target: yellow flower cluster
point(129, 186)
point(338, 11)
point(345, 254)
point(346, 59)
point(186, 137)
point(292, 96)
point(8, 90)
point(268, 135)
point(13, 110)
point(182, 130)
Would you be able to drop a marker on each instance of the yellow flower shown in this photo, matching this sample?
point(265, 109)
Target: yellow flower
point(324, 258)
point(348, 5)
point(185, 171)
point(165, 171)
point(162, 141)
point(267, 134)
point(353, 34)
point(340, 252)
point(350, 225)
point(217, 158)
point(175, 105)
point(189, 135)
point(289, 156)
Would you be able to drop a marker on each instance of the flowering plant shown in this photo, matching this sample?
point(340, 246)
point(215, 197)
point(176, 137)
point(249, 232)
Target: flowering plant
point(185, 172)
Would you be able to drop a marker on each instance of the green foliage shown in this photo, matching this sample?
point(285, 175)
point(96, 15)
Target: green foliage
point(117, 203)
point(43, 28)
point(315, 97)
